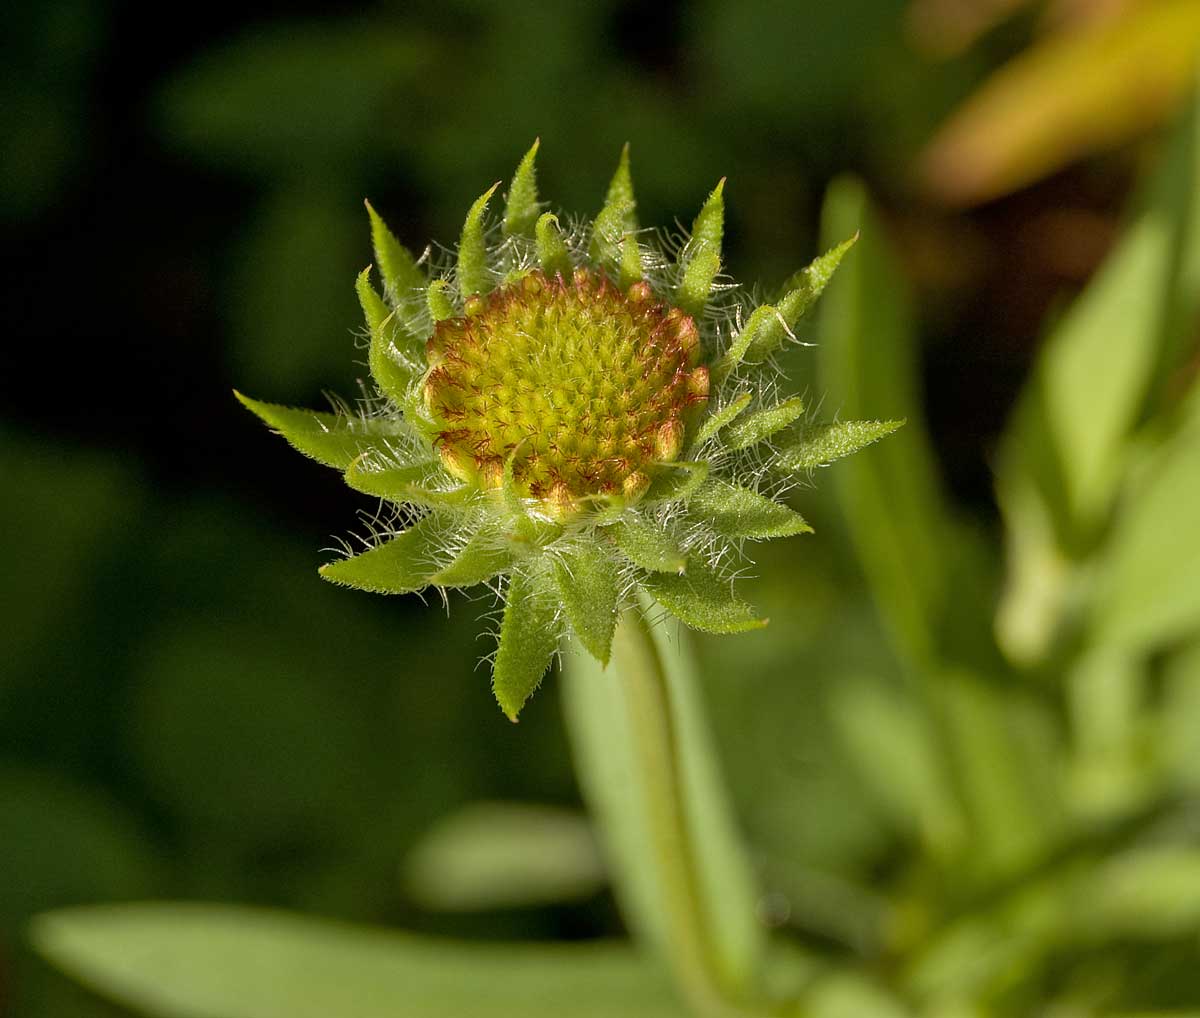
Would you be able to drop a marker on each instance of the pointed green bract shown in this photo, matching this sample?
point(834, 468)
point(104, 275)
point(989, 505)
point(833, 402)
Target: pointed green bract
point(763, 424)
point(333, 439)
point(819, 447)
point(620, 192)
point(630, 270)
point(701, 258)
point(401, 274)
point(648, 545)
point(398, 566)
point(738, 513)
point(424, 484)
point(521, 206)
point(678, 480)
point(616, 219)
point(390, 372)
point(551, 248)
point(528, 638)
point(701, 599)
point(437, 297)
point(720, 418)
point(769, 326)
point(473, 275)
point(485, 555)
point(588, 585)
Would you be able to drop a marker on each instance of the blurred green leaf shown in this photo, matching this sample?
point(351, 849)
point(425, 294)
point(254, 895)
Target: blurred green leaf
point(492, 855)
point(209, 961)
point(1151, 892)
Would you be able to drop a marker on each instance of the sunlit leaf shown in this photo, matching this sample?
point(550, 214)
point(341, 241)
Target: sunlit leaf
point(648, 544)
point(551, 248)
point(400, 565)
point(701, 258)
point(529, 635)
point(762, 424)
point(738, 513)
point(485, 554)
point(472, 274)
point(702, 599)
point(521, 204)
point(720, 418)
point(588, 585)
point(820, 446)
point(401, 274)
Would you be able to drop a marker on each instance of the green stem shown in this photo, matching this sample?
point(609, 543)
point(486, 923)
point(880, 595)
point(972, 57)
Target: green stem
point(645, 766)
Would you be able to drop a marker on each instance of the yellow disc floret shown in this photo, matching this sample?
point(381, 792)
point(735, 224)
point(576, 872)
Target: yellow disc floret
point(586, 387)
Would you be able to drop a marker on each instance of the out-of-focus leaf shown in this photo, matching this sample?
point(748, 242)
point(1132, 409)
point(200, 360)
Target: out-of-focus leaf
point(503, 855)
point(895, 752)
point(1181, 718)
point(1072, 94)
point(209, 961)
point(602, 709)
point(891, 493)
point(1148, 590)
point(849, 994)
point(1152, 892)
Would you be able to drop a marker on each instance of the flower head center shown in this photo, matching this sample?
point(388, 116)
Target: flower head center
point(585, 386)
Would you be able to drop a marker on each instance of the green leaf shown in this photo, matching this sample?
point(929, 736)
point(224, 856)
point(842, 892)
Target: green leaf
point(702, 599)
point(892, 496)
point(398, 566)
point(588, 585)
point(738, 513)
point(485, 554)
point(489, 855)
point(677, 480)
point(332, 439)
point(528, 638)
point(769, 326)
point(648, 545)
point(437, 297)
point(820, 446)
point(178, 960)
point(616, 218)
point(700, 260)
point(425, 484)
point(401, 274)
point(521, 206)
point(630, 270)
point(391, 373)
point(719, 418)
point(551, 249)
point(472, 274)
point(763, 424)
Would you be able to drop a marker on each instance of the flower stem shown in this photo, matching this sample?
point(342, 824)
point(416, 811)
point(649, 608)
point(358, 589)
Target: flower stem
point(647, 770)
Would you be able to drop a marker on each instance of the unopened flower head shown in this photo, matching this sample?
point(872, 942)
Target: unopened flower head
point(586, 419)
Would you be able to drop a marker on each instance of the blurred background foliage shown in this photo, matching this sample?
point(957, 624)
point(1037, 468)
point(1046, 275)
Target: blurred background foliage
point(966, 756)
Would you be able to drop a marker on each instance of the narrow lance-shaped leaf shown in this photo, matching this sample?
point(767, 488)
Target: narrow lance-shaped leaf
point(648, 545)
point(332, 439)
point(719, 418)
point(819, 447)
point(438, 299)
point(701, 599)
point(486, 554)
point(738, 513)
point(677, 481)
point(521, 206)
point(528, 638)
point(391, 373)
point(616, 218)
point(551, 248)
point(398, 566)
point(701, 258)
point(473, 274)
point(769, 326)
point(762, 424)
point(630, 270)
point(401, 274)
point(424, 484)
point(588, 585)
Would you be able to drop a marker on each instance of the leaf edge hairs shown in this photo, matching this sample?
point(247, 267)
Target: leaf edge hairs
point(571, 415)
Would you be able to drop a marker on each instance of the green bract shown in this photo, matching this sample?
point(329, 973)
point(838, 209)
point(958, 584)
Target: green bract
point(572, 416)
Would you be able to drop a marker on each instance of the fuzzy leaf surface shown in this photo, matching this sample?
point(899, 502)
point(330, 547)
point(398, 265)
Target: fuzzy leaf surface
point(398, 566)
point(485, 554)
point(528, 638)
point(551, 248)
point(472, 273)
point(335, 440)
point(648, 545)
point(678, 480)
point(588, 585)
point(388, 368)
point(720, 418)
point(762, 424)
point(239, 962)
point(702, 600)
point(401, 274)
point(424, 484)
point(818, 447)
point(702, 255)
point(738, 513)
point(521, 205)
